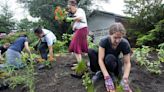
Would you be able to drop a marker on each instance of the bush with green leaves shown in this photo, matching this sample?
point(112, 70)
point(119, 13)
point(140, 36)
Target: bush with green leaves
point(91, 44)
point(154, 37)
point(67, 38)
point(161, 52)
point(62, 45)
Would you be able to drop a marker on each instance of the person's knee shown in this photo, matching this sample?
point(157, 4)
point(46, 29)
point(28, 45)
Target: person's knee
point(40, 48)
point(111, 62)
point(90, 51)
point(110, 58)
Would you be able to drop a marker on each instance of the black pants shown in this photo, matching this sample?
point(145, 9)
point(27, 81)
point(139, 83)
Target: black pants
point(113, 64)
point(43, 48)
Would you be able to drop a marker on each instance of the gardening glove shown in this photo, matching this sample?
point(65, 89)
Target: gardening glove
point(125, 85)
point(109, 84)
point(69, 19)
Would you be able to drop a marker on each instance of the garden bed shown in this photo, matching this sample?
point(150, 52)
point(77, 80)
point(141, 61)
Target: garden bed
point(58, 79)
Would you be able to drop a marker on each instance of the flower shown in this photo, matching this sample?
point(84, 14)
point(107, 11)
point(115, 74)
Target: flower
point(59, 13)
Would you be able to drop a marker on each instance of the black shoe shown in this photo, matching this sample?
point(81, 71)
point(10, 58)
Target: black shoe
point(41, 66)
point(69, 65)
point(97, 77)
point(77, 76)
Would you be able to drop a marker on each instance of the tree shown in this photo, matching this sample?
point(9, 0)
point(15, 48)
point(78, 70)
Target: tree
point(6, 22)
point(24, 25)
point(44, 9)
point(145, 15)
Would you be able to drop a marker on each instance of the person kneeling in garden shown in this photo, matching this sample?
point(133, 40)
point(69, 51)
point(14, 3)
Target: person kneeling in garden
point(47, 39)
point(106, 62)
point(3, 49)
point(13, 53)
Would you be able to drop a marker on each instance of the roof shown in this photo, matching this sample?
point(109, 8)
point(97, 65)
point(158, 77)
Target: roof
point(105, 12)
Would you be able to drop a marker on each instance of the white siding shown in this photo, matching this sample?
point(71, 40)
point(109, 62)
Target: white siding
point(99, 24)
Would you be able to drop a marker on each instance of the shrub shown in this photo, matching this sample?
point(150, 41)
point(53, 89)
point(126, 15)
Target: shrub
point(154, 37)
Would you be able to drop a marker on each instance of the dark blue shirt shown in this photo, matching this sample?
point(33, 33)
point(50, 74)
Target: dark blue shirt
point(123, 46)
point(18, 45)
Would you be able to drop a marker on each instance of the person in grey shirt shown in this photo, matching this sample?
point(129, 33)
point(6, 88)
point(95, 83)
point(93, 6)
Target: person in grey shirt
point(47, 39)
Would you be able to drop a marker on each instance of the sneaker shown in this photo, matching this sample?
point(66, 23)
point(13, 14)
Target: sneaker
point(97, 77)
point(42, 66)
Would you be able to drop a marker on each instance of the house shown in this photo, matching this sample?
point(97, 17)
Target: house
point(100, 21)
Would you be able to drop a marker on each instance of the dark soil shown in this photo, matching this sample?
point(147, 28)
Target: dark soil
point(58, 79)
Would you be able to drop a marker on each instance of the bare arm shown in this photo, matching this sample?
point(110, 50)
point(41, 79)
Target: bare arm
point(102, 65)
point(51, 51)
point(27, 48)
point(101, 61)
point(127, 65)
point(77, 18)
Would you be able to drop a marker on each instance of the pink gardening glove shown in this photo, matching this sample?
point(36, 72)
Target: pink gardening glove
point(109, 83)
point(125, 85)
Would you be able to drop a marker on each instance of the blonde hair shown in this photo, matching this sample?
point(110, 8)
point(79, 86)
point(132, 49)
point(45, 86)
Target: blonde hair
point(117, 27)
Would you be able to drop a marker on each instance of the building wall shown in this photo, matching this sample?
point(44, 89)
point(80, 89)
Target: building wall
point(99, 24)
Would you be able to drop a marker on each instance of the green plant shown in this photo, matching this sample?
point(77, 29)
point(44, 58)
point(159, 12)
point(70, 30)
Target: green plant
point(154, 36)
point(60, 47)
point(91, 44)
point(119, 88)
point(67, 38)
point(142, 54)
point(161, 52)
point(87, 82)
point(81, 67)
point(138, 90)
point(47, 64)
point(25, 76)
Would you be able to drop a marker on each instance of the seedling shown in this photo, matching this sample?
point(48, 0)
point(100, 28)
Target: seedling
point(81, 67)
point(87, 82)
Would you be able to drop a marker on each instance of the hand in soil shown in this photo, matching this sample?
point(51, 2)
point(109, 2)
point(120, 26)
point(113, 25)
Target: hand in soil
point(125, 84)
point(109, 84)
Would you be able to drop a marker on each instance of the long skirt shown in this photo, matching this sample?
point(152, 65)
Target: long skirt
point(79, 42)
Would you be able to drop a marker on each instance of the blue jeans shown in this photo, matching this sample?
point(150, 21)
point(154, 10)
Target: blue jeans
point(14, 59)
